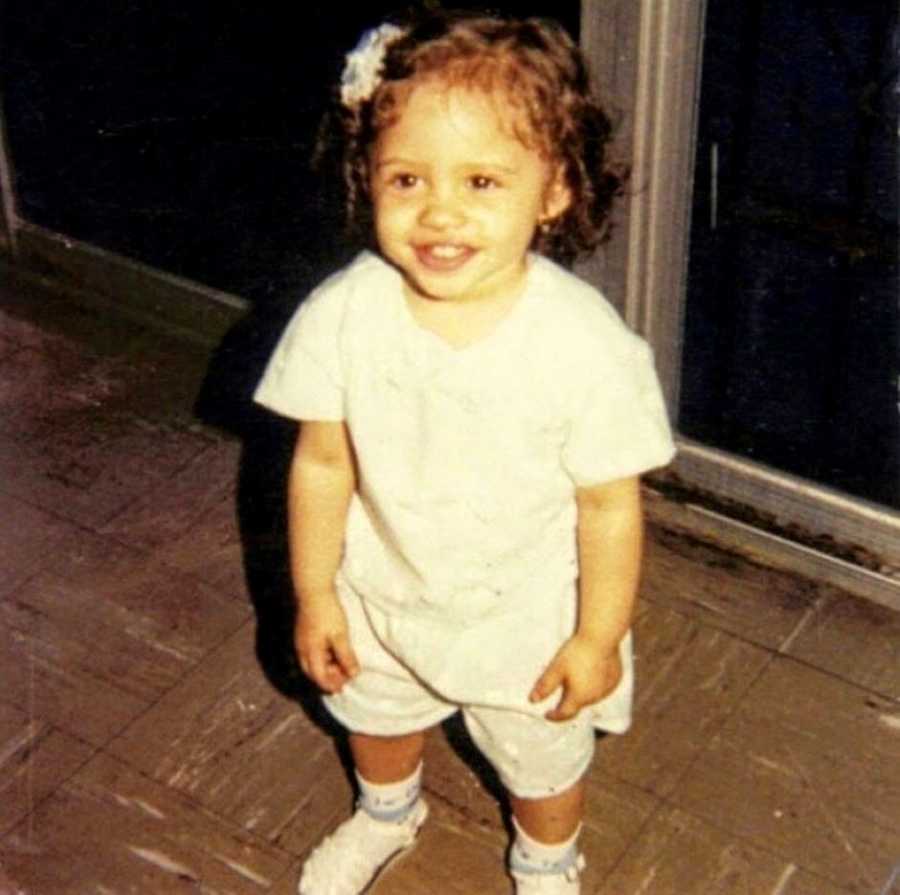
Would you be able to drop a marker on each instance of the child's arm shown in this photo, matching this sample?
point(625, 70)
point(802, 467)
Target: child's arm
point(321, 481)
point(610, 535)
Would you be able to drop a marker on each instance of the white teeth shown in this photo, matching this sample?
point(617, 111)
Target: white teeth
point(447, 252)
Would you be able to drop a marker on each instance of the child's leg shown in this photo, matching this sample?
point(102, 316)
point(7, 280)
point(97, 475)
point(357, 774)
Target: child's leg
point(538, 760)
point(387, 759)
point(553, 819)
point(389, 774)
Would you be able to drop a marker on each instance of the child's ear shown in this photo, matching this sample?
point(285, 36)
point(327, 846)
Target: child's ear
point(557, 197)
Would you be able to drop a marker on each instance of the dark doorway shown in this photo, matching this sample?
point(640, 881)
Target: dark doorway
point(179, 134)
point(792, 340)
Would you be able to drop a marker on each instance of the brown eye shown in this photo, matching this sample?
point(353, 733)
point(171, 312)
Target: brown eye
point(483, 182)
point(404, 181)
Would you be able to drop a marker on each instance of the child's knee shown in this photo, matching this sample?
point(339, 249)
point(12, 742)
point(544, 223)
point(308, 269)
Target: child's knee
point(534, 758)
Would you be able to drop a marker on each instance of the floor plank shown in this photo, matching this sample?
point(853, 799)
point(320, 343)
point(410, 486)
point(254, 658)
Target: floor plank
point(166, 516)
point(225, 737)
point(807, 769)
point(678, 854)
point(40, 680)
point(725, 591)
point(689, 678)
point(89, 473)
point(35, 759)
point(111, 830)
point(120, 615)
point(27, 536)
point(855, 639)
point(213, 550)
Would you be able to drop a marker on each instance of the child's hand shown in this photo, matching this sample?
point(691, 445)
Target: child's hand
point(584, 671)
point(323, 644)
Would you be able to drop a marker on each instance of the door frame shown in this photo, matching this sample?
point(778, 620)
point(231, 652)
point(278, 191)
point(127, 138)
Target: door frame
point(7, 196)
point(646, 54)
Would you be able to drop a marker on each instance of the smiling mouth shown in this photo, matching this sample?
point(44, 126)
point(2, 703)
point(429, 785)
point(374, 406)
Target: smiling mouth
point(443, 257)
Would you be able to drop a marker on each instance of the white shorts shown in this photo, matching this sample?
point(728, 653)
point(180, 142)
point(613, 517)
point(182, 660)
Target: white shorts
point(534, 757)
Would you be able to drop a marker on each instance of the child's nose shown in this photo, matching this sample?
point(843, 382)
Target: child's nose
point(443, 209)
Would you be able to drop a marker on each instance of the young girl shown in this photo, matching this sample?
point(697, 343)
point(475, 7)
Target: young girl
point(464, 506)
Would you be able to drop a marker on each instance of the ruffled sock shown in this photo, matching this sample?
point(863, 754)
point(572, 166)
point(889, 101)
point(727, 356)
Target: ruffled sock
point(390, 802)
point(528, 856)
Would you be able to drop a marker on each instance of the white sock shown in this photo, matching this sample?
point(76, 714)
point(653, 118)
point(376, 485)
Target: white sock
point(390, 802)
point(527, 855)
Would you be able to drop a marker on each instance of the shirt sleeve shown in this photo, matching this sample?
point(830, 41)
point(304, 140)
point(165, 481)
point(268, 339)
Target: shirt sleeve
point(303, 379)
point(619, 426)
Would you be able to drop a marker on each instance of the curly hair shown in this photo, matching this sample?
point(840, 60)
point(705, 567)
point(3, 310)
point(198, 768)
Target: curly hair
point(530, 65)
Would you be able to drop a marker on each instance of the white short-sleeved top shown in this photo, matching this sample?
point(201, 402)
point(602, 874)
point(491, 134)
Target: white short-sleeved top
point(469, 458)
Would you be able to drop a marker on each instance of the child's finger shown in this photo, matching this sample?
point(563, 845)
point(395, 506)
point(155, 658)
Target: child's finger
point(567, 709)
point(316, 667)
point(549, 681)
point(344, 655)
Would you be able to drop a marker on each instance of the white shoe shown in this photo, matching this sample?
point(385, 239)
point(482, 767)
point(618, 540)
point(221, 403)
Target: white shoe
point(550, 883)
point(348, 861)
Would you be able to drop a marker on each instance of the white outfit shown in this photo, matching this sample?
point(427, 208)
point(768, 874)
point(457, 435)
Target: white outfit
point(460, 555)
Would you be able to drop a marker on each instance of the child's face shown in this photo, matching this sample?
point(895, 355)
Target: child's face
point(457, 196)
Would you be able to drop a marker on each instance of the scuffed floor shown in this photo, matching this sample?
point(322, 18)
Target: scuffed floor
point(156, 738)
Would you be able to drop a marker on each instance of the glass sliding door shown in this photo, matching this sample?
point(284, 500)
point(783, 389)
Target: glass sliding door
point(759, 255)
point(791, 351)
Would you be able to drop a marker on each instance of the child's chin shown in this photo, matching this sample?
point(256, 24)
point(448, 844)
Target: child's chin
point(429, 294)
point(436, 288)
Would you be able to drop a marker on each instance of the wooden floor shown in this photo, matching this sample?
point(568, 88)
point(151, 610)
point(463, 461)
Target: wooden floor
point(155, 736)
